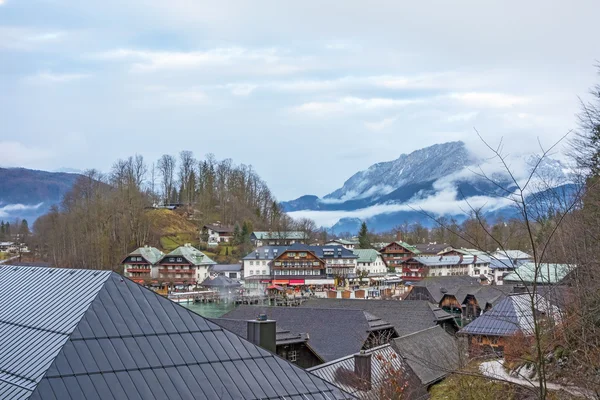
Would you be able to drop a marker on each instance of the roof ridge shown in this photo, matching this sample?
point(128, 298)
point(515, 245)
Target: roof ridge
point(422, 330)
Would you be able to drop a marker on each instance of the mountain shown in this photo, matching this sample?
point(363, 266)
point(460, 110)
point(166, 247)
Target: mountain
point(434, 181)
point(27, 194)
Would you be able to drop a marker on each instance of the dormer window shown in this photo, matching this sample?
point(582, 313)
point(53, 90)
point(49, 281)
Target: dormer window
point(179, 259)
point(291, 254)
point(171, 259)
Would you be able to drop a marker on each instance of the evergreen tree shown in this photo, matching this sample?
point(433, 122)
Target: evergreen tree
point(237, 235)
point(363, 237)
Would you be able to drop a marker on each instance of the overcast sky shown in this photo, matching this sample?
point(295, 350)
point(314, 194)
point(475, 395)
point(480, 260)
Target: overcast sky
point(307, 92)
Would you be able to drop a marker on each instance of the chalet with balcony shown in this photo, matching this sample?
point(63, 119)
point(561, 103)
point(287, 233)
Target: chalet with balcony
point(141, 265)
point(279, 238)
point(397, 253)
point(217, 233)
point(185, 266)
point(418, 268)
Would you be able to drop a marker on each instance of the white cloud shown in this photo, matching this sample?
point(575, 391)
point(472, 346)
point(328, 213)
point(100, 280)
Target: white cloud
point(491, 100)
point(380, 125)
point(462, 117)
point(28, 39)
point(6, 210)
point(50, 77)
point(352, 104)
point(16, 154)
point(2, 2)
point(266, 61)
point(241, 89)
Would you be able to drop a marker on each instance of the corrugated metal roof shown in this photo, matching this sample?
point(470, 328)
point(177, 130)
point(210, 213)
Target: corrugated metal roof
point(226, 267)
point(386, 365)
point(127, 342)
point(35, 324)
point(547, 273)
point(150, 254)
point(511, 315)
point(449, 260)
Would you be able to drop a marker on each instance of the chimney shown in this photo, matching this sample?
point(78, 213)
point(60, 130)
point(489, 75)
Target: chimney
point(475, 259)
point(399, 236)
point(362, 369)
point(261, 332)
point(460, 259)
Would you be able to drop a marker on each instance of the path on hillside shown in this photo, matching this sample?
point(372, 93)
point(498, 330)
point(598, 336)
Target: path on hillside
point(8, 259)
point(495, 369)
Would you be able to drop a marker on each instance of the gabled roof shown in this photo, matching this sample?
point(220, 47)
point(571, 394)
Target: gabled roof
point(407, 246)
point(431, 261)
point(151, 254)
point(226, 267)
point(431, 353)
point(438, 286)
point(261, 235)
point(324, 326)
point(220, 228)
point(513, 314)
point(512, 254)
point(405, 316)
point(265, 253)
point(97, 335)
point(547, 273)
point(342, 241)
point(366, 255)
point(431, 248)
point(385, 362)
point(221, 282)
point(191, 254)
point(484, 294)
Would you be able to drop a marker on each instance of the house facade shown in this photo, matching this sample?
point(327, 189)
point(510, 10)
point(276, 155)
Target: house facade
point(218, 234)
point(141, 265)
point(350, 245)
point(285, 238)
point(371, 261)
point(397, 253)
point(418, 268)
point(233, 271)
point(185, 266)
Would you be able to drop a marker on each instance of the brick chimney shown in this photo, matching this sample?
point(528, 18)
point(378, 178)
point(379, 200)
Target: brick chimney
point(362, 369)
point(262, 332)
point(399, 236)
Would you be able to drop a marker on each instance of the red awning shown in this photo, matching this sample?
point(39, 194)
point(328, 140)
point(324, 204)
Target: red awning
point(296, 281)
point(274, 287)
point(280, 281)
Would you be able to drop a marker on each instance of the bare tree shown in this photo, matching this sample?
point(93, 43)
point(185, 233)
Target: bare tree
point(166, 167)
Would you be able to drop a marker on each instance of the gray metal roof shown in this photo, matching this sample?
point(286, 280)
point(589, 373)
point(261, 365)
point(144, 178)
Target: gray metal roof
point(240, 328)
point(431, 353)
point(226, 267)
point(384, 362)
point(431, 261)
point(324, 326)
point(85, 336)
point(513, 314)
point(34, 325)
point(405, 316)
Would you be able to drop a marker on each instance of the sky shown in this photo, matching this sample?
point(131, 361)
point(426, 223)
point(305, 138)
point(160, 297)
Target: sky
point(308, 92)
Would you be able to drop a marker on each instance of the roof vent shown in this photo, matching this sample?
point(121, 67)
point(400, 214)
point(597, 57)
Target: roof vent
point(261, 317)
point(443, 290)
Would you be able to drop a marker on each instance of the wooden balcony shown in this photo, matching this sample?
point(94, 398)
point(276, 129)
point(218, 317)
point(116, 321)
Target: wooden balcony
point(177, 271)
point(138, 270)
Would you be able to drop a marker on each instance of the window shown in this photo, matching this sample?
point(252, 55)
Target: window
point(251, 272)
point(264, 263)
point(171, 259)
point(179, 259)
point(291, 254)
point(251, 262)
point(264, 271)
point(302, 254)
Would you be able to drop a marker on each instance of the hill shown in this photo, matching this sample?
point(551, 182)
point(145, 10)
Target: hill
point(28, 194)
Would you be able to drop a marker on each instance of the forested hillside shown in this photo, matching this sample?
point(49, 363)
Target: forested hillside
point(104, 217)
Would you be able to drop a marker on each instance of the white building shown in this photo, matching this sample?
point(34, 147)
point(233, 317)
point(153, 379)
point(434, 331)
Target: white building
point(371, 261)
point(141, 265)
point(218, 234)
point(348, 244)
point(233, 271)
point(475, 266)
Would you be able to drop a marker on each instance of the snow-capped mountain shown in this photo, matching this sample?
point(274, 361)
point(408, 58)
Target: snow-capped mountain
point(443, 179)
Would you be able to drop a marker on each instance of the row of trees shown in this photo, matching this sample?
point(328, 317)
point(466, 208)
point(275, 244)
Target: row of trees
point(19, 229)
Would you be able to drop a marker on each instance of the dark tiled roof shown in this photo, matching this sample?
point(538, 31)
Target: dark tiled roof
point(405, 316)
point(484, 294)
point(386, 364)
point(431, 353)
point(333, 333)
point(431, 248)
point(220, 282)
point(271, 252)
point(440, 285)
point(265, 253)
point(97, 335)
point(220, 228)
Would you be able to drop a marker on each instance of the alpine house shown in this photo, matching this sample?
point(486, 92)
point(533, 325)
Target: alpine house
point(85, 334)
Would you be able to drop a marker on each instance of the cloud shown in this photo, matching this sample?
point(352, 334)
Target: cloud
point(6, 210)
point(28, 39)
point(16, 154)
point(266, 61)
point(352, 104)
point(493, 100)
point(240, 89)
point(50, 77)
point(380, 125)
point(2, 2)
